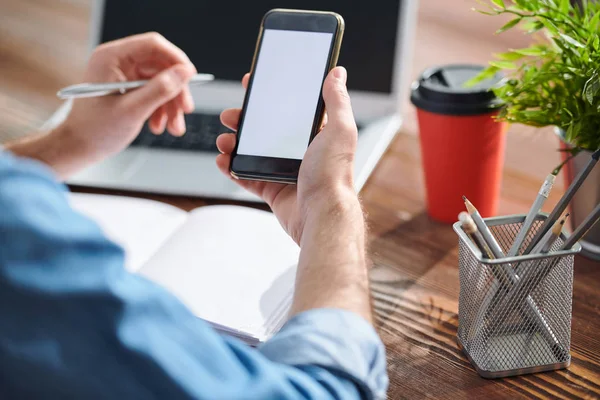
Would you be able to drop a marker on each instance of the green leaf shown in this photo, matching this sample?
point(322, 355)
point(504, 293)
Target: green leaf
point(536, 26)
point(569, 132)
point(503, 64)
point(564, 6)
point(499, 3)
point(533, 117)
point(490, 10)
point(525, 4)
point(596, 42)
point(566, 111)
point(550, 26)
point(509, 56)
point(535, 51)
point(571, 41)
point(572, 131)
point(585, 55)
point(568, 52)
point(509, 25)
point(593, 24)
point(492, 13)
point(591, 88)
point(486, 73)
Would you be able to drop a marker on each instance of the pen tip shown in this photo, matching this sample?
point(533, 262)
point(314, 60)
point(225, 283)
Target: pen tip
point(464, 198)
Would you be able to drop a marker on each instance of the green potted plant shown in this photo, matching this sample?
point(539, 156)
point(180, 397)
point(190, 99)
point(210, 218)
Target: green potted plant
point(555, 82)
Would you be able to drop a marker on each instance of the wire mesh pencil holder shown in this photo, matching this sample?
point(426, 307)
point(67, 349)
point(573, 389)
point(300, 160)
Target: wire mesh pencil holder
point(514, 314)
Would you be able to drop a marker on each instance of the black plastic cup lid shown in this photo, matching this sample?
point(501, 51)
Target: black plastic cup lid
point(442, 90)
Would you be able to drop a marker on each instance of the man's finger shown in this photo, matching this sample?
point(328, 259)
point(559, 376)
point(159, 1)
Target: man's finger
point(223, 161)
point(337, 100)
point(145, 47)
point(231, 118)
point(186, 101)
point(158, 121)
point(176, 125)
point(161, 89)
point(149, 70)
point(226, 143)
point(268, 191)
point(255, 187)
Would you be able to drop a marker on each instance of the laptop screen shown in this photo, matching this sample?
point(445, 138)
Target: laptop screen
point(220, 36)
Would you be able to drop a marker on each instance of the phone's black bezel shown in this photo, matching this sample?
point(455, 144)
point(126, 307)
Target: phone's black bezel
point(283, 169)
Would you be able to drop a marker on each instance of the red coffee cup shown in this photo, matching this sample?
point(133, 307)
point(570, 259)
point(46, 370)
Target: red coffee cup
point(462, 145)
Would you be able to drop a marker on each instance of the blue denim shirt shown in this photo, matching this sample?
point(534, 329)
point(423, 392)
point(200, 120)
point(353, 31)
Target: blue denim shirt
point(75, 324)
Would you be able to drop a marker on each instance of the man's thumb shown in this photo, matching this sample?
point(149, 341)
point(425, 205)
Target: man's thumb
point(337, 100)
point(164, 87)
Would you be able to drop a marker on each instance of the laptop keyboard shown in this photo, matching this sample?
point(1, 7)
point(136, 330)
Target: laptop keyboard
point(201, 135)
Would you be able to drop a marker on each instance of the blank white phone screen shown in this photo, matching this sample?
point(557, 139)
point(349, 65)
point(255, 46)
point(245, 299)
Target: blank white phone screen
point(285, 91)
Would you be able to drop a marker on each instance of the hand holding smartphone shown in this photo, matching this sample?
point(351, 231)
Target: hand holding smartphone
point(283, 107)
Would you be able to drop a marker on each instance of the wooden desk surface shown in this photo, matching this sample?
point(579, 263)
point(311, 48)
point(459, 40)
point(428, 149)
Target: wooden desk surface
point(415, 277)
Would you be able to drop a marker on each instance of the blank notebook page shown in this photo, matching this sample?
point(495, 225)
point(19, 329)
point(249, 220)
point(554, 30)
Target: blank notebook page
point(140, 226)
point(233, 266)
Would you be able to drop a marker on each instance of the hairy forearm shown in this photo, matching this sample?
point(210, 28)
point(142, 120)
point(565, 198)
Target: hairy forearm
point(332, 271)
point(55, 149)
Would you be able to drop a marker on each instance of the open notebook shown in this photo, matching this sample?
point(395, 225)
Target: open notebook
point(232, 266)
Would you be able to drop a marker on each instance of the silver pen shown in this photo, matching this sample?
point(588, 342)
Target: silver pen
point(104, 89)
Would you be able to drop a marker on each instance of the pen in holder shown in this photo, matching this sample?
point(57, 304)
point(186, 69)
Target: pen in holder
point(515, 313)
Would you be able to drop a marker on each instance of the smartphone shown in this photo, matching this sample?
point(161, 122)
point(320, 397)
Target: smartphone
point(283, 108)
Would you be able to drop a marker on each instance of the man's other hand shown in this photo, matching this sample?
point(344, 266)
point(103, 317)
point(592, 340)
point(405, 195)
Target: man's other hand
point(102, 126)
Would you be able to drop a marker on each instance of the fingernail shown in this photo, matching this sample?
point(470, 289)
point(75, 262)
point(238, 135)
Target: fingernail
point(341, 74)
point(148, 70)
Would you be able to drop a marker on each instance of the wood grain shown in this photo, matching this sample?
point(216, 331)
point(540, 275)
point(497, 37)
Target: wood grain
point(43, 46)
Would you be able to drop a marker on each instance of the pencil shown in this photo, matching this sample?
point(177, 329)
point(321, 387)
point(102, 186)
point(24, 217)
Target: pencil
point(564, 201)
point(495, 248)
point(549, 239)
point(470, 229)
point(582, 229)
point(531, 216)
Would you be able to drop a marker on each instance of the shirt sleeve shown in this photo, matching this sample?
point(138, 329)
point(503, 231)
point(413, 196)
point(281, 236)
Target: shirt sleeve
point(76, 324)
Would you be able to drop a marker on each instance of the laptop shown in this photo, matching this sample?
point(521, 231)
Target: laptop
point(220, 38)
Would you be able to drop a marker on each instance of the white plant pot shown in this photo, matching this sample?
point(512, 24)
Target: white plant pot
point(586, 198)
